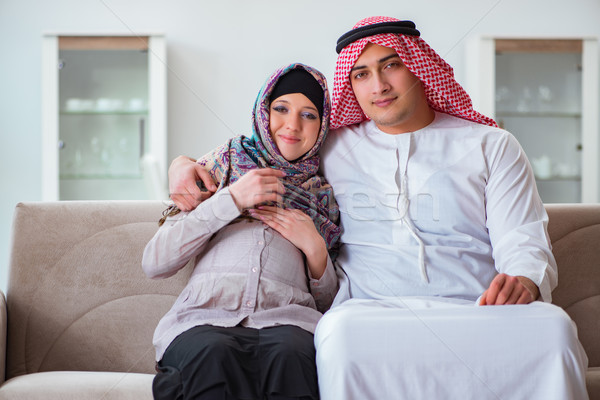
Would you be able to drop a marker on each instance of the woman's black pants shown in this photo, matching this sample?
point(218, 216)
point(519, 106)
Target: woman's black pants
point(216, 363)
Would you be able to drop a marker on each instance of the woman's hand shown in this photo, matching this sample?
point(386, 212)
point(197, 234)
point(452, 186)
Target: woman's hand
point(184, 172)
point(256, 187)
point(300, 230)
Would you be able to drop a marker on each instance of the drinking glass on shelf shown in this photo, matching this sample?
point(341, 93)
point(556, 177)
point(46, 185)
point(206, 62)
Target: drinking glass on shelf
point(525, 100)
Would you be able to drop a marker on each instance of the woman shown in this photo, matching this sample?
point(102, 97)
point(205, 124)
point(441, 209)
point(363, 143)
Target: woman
point(242, 327)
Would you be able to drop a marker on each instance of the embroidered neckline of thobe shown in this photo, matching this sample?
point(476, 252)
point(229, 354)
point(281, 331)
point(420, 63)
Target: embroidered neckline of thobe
point(403, 207)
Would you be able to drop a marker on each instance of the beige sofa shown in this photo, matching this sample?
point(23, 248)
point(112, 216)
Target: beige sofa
point(81, 313)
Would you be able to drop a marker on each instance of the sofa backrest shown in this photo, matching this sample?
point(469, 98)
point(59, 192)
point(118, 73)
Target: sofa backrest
point(79, 300)
point(77, 296)
point(575, 234)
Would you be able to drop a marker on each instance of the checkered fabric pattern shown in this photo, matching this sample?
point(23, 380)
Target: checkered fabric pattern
point(443, 93)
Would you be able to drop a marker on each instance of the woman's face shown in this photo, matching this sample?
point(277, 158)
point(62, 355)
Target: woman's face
point(295, 124)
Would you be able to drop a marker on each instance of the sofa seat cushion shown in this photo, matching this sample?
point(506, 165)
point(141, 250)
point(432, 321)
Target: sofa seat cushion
point(78, 385)
point(593, 382)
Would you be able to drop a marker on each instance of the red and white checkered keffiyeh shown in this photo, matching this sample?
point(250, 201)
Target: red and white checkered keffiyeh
point(443, 93)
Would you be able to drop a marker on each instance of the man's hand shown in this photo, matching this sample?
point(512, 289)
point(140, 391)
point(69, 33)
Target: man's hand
point(256, 187)
point(183, 175)
point(506, 289)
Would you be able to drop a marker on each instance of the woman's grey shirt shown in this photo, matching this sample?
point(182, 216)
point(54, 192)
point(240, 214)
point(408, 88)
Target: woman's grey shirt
point(245, 273)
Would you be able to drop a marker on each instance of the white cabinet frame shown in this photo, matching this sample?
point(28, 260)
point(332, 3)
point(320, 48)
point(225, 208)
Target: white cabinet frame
point(157, 104)
point(480, 84)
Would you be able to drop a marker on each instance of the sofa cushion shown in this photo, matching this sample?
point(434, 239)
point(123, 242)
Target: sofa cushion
point(78, 299)
point(77, 385)
point(575, 233)
point(593, 383)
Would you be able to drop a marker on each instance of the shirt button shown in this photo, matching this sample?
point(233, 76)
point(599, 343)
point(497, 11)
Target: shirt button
point(249, 303)
point(254, 269)
point(315, 283)
point(260, 242)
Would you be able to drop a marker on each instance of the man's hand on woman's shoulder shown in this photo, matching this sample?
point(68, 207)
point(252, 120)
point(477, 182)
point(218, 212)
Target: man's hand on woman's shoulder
point(184, 173)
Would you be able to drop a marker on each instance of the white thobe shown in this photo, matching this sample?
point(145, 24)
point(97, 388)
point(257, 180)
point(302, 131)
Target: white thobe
point(429, 218)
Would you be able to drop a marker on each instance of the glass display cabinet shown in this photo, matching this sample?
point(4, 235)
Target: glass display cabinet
point(104, 117)
point(545, 92)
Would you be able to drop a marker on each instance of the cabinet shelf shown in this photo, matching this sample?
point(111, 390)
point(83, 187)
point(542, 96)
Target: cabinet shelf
point(99, 176)
point(537, 114)
point(574, 178)
point(91, 112)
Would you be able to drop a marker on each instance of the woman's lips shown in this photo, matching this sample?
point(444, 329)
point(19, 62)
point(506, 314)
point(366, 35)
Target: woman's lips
point(289, 139)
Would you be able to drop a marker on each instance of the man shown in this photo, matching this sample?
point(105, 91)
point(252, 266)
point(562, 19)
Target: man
point(439, 212)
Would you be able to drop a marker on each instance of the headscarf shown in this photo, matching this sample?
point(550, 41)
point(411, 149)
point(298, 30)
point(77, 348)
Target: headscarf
point(443, 92)
point(300, 81)
point(304, 189)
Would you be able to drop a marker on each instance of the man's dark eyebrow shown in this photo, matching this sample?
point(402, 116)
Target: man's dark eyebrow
point(380, 61)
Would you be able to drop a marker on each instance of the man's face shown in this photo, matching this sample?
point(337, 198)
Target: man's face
point(388, 93)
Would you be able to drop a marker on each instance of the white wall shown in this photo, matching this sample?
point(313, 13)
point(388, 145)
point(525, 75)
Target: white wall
point(219, 54)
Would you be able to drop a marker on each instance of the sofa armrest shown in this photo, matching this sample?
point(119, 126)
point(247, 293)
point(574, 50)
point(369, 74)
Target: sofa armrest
point(3, 327)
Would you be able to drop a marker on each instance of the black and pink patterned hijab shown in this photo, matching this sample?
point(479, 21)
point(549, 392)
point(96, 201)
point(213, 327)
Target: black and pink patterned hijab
point(306, 189)
point(443, 92)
